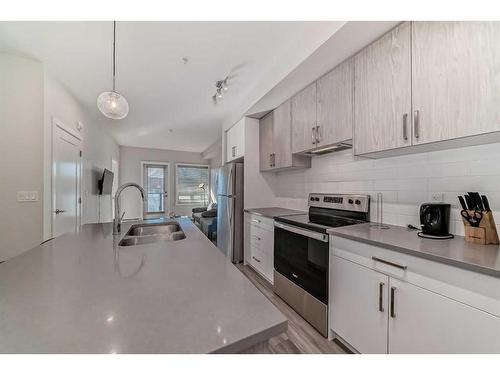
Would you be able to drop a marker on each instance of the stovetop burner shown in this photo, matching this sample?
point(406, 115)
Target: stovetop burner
point(331, 210)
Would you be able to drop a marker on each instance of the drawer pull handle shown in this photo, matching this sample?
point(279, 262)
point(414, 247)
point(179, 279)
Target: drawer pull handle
point(295, 276)
point(389, 263)
point(381, 297)
point(256, 221)
point(256, 259)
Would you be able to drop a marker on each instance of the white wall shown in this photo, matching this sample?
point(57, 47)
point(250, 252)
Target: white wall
point(21, 164)
point(405, 181)
point(130, 171)
point(98, 150)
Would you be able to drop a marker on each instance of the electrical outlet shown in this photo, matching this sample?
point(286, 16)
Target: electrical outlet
point(437, 197)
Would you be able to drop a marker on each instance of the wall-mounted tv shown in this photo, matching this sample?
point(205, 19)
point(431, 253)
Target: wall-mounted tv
point(105, 184)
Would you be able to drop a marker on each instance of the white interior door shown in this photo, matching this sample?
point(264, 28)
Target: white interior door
point(65, 180)
point(155, 182)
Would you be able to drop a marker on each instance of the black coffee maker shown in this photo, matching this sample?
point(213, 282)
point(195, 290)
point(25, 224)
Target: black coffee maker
point(435, 221)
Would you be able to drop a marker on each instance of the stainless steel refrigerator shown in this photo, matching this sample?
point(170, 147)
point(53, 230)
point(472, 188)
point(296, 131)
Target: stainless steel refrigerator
point(230, 211)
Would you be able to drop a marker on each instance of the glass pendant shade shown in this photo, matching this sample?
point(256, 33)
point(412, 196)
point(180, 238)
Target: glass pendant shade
point(112, 105)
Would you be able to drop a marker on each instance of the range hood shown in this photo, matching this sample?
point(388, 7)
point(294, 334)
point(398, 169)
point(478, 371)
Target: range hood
point(329, 149)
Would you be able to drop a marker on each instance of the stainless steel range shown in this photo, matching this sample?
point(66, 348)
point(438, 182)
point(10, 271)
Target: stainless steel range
point(301, 252)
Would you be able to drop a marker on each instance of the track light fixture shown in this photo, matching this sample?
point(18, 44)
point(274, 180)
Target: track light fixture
point(221, 88)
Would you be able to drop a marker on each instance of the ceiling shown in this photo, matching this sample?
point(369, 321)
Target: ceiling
point(170, 101)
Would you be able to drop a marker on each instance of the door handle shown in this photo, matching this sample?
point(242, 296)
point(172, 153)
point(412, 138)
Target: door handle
point(58, 211)
point(381, 297)
point(393, 292)
point(416, 124)
point(318, 134)
point(405, 126)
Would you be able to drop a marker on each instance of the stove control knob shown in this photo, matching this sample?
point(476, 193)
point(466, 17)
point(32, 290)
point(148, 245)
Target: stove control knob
point(312, 198)
point(350, 201)
point(316, 199)
point(358, 201)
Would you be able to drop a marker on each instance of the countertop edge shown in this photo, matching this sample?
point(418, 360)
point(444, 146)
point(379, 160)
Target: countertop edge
point(257, 211)
point(431, 257)
point(248, 342)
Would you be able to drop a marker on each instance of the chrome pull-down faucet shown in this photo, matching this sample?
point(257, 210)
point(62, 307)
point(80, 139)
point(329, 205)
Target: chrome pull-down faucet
point(117, 221)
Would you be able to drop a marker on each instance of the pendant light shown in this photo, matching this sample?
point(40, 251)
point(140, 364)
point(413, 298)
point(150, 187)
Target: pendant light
point(111, 103)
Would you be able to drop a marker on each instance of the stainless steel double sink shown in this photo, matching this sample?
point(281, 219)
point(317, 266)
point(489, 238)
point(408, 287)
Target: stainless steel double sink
point(141, 234)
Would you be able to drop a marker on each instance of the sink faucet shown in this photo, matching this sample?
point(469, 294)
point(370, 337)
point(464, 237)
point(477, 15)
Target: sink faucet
point(117, 221)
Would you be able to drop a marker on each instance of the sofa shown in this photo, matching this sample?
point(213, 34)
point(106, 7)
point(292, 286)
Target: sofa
point(205, 218)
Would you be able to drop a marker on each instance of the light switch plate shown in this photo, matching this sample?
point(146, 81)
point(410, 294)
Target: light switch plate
point(27, 196)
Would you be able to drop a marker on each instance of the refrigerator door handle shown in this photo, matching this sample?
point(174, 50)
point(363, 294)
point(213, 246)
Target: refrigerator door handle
point(230, 220)
point(230, 181)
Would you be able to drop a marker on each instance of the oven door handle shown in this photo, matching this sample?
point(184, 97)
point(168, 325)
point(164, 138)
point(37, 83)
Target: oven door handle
point(304, 232)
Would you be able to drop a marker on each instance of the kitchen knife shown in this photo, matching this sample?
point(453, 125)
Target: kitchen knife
point(476, 198)
point(470, 202)
point(462, 202)
point(486, 203)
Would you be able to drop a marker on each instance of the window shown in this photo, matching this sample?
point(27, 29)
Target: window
point(155, 181)
point(192, 184)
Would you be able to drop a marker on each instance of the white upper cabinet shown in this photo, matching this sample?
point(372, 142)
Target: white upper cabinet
point(235, 141)
point(456, 79)
point(335, 98)
point(382, 93)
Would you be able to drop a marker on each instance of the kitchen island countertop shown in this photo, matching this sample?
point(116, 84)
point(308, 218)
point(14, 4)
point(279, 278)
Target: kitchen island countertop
point(82, 293)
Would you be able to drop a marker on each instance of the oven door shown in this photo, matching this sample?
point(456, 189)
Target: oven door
point(301, 256)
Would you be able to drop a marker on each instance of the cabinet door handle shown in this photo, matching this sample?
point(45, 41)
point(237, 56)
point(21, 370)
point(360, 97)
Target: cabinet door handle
point(313, 135)
point(256, 221)
point(416, 124)
point(405, 126)
point(381, 297)
point(393, 292)
point(256, 259)
point(318, 134)
point(295, 276)
point(233, 151)
point(270, 160)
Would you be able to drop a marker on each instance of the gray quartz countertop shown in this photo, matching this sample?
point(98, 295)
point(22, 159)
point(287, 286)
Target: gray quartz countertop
point(272, 212)
point(456, 252)
point(81, 293)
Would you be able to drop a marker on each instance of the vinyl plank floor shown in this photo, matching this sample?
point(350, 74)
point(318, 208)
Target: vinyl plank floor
point(301, 337)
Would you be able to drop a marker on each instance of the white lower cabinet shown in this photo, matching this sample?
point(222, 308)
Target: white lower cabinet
point(359, 314)
point(427, 322)
point(259, 245)
point(382, 301)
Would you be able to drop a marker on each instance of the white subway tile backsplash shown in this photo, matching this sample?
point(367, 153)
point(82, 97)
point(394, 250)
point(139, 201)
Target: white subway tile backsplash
point(405, 181)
